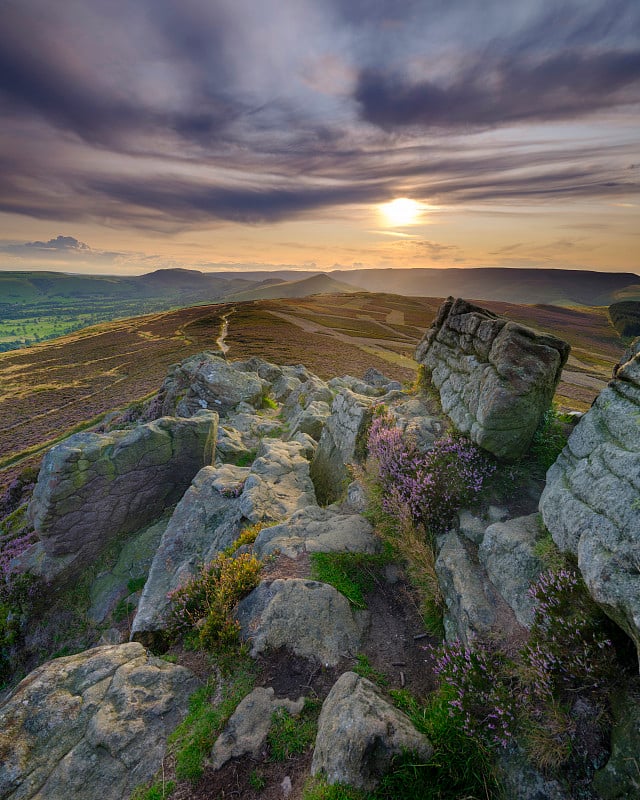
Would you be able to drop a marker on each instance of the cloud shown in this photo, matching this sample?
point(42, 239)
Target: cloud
point(66, 243)
point(564, 85)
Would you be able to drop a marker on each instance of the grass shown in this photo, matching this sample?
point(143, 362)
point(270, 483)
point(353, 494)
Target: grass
point(291, 736)
point(193, 739)
point(352, 574)
point(363, 668)
point(157, 791)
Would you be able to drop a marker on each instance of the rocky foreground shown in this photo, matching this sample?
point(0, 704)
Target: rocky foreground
point(225, 445)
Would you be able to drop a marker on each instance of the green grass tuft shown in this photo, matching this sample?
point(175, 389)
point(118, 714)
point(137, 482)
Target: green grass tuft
point(352, 574)
point(292, 736)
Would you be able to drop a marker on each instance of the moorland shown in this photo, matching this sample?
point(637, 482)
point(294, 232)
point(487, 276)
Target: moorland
point(54, 388)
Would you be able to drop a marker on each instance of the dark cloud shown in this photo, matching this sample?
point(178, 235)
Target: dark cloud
point(565, 85)
point(59, 243)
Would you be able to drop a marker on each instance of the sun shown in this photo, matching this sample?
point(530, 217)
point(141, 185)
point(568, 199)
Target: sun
point(401, 211)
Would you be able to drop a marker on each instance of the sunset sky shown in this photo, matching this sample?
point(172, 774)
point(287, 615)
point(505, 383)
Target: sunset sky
point(214, 134)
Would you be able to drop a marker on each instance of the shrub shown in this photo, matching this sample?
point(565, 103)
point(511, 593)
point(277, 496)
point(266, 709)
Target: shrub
point(206, 602)
point(429, 487)
point(549, 439)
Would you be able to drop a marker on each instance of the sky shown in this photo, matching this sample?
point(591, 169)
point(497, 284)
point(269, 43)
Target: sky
point(234, 134)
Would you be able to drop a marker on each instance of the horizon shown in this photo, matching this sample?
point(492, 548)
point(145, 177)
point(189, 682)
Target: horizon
point(319, 136)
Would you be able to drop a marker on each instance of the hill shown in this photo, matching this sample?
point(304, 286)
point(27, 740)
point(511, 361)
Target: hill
point(317, 284)
point(625, 317)
point(553, 286)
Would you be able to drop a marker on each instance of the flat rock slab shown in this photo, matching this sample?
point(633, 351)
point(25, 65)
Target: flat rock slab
point(495, 378)
point(91, 726)
point(94, 487)
point(591, 500)
point(318, 530)
point(246, 732)
point(311, 619)
point(359, 733)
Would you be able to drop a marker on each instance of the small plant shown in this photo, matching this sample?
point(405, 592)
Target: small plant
point(206, 602)
point(247, 536)
point(269, 402)
point(352, 574)
point(481, 691)
point(363, 667)
point(549, 439)
point(257, 781)
point(123, 610)
point(245, 459)
point(157, 791)
point(291, 736)
point(318, 789)
point(135, 584)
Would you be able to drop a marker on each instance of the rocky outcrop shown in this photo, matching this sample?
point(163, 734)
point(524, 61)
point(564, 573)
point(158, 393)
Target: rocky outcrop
point(317, 530)
point(495, 378)
point(619, 779)
point(508, 555)
point(91, 726)
point(93, 487)
point(591, 500)
point(311, 619)
point(338, 444)
point(246, 732)
point(205, 521)
point(219, 503)
point(207, 381)
point(359, 733)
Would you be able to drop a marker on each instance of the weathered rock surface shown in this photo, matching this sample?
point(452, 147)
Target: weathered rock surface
point(318, 530)
point(359, 733)
point(339, 444)
point(93, 487)
point(311, 619)
point(495, 378)
point(591, 500)
point(474, 608)
point(522, 781)
point(204, 521)
point(207, 381)
point(246, 732)
point(91, 726)
point(508, 555)
point(619, 779)
point(278, 483)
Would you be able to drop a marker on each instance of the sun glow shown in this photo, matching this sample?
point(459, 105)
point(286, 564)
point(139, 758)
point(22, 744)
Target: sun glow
point(401, 211)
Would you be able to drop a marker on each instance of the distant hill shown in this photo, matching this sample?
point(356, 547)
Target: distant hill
point(318, 284)
point(625, 317)
point(560, 287)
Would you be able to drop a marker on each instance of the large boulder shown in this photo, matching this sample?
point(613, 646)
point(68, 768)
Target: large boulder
point(591, 500)
point(93, 487)
point(619, 779)
point(495, 378)
point(90, 726)
point(359, 733)
point(340, 444)
point(311, 619)
point(207, 381)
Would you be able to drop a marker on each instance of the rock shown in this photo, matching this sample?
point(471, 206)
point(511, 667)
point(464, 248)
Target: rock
point(522, 781)
point(416, 423)
point(474, 608)
point(359, 733)
point(590, 503)
point(340, 445)
point(378, 380)
point(204, 522)
point(471, 526)
point(246, 732)
point(307, 406)
point(619, 779)
point(134, 561)
point(311, 619)
point(356, 501)
point(279, 482)
point(508, 555)
point(495, 378)
point(90, 726)
point(317, 530)
point(93, 487)
point(208, 381)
